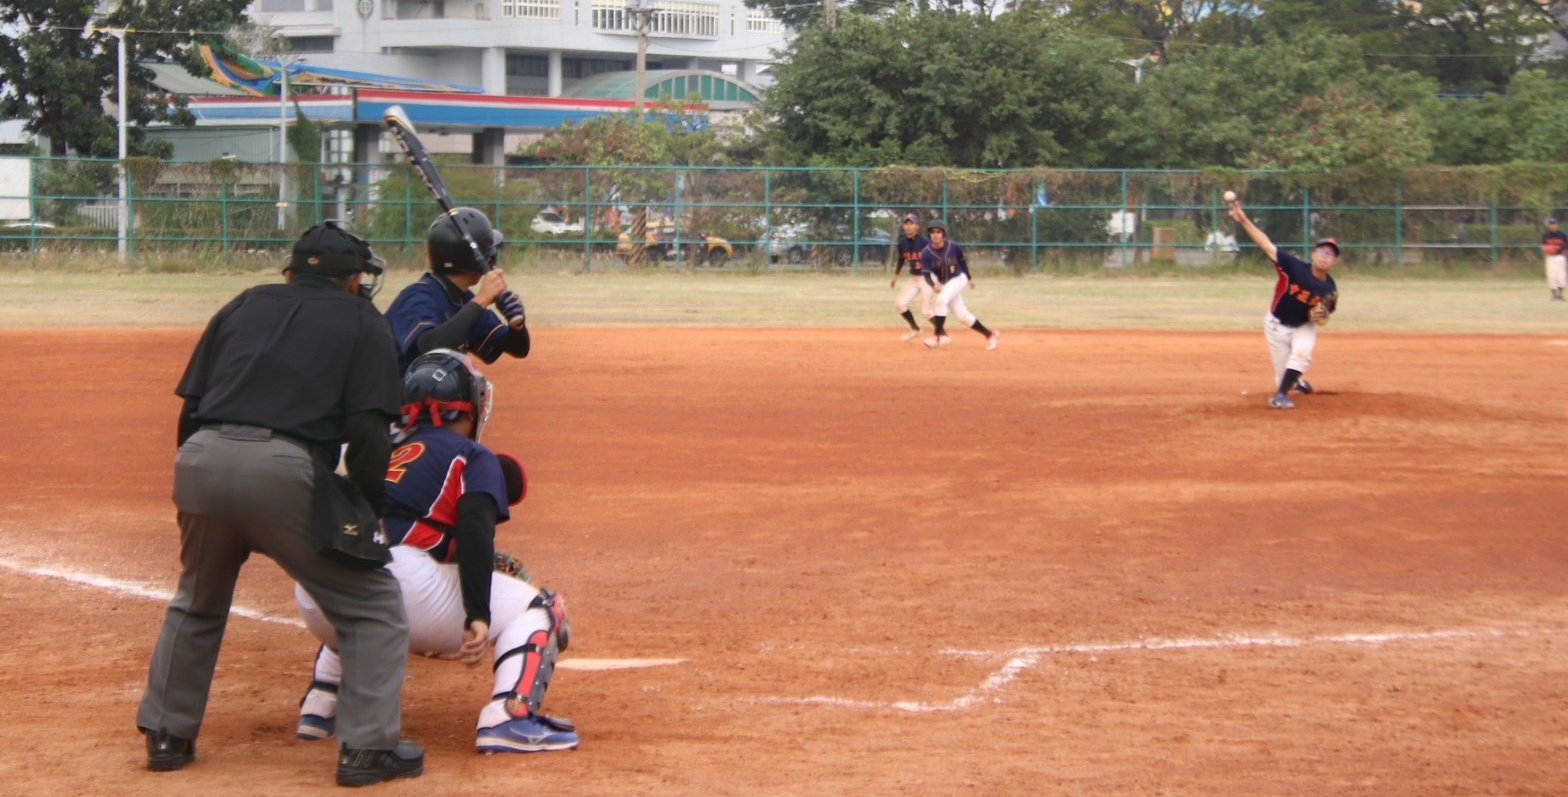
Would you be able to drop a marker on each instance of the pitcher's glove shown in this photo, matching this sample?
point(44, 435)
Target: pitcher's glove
point(508, 565)
point(1324, 308)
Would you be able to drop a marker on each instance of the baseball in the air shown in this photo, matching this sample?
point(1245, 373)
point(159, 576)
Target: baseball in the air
point(1230, 196)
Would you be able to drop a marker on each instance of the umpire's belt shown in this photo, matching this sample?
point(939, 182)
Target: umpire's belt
point(245, 431)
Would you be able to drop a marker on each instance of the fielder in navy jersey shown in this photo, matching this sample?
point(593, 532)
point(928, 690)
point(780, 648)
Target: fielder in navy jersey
point(910, 245)
point(1289, 326)
point(947, 271)
point(449, 308)
point(445, 493)
point(1554, 244)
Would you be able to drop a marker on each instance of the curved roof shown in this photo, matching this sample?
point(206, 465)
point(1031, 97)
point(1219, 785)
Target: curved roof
point(721, 92)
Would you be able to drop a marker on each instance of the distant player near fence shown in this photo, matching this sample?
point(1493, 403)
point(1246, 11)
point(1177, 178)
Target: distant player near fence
point(1554, 244)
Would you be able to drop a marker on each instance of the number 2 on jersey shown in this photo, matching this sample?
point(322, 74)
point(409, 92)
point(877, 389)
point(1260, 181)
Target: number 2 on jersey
point(401, 459)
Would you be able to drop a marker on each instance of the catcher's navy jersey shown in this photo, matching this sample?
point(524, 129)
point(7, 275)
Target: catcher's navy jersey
point(909, 250)
point(1297, 291)
point(425, 305)
point(945, 263)
point(430, 471)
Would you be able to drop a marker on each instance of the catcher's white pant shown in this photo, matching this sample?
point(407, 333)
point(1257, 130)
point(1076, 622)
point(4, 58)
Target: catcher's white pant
point(1557, 271)
point(1290, 347)
point(915, 286)
point(433, 601)
point(950, 301)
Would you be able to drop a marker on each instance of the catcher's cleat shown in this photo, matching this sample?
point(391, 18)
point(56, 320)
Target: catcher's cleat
point(364, 767)
point(992, 342)
point(167, 752)
point(1281, 402)
point(1302, 386)
point(910, 335)
point(314, 727)
point(534, 734)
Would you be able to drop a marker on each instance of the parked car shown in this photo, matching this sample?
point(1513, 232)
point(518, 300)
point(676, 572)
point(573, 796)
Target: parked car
point(793, 243)
point(548, 222)
point(664, 245)
point(19, 234)
point(875, 246)
point(784, 243)
point(1222, 242)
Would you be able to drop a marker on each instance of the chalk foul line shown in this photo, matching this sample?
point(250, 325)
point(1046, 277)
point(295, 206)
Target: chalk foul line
point(162, 594)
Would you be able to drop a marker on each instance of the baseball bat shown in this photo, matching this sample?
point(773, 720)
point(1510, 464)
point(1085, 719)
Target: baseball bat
point(403, 130)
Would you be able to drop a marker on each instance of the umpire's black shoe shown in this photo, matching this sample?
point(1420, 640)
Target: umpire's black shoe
point(167, 752)
point(364, 767)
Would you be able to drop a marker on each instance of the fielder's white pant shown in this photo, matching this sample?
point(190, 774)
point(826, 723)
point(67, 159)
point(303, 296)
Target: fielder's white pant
point(1290, 347)
point(915, 285)
point(433, 600)
point(1557, 271)
point(950, 301)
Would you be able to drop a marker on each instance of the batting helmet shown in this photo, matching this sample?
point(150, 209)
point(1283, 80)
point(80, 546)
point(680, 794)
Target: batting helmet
point(440, 386)
point(937, 224)
point(449, 252)
point(330, 250)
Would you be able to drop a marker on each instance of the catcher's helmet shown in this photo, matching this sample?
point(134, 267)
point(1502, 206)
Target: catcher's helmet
point(440, 386)
point(449, 252)
point(330, 250)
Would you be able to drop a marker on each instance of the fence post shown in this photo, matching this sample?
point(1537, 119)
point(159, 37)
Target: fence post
point(408, 216)
point(767, 216)
point(854, 241)
point(1123, 235)
point(1491, 209)
point(130, 215)
point(1034, 239)
point(1307, 233)
point(223, 217)
point(1399, 224)
point(588, 219)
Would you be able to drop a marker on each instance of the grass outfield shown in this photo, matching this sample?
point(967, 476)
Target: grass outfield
point(38, 298)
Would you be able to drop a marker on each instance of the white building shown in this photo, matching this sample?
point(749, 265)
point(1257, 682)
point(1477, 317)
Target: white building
point(523, 47)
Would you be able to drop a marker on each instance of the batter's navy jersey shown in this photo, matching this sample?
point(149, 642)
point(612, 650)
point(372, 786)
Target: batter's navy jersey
point(1297, 291)
point(909, 250)
point(425, 305)
point(430, 471)
point(945, 263)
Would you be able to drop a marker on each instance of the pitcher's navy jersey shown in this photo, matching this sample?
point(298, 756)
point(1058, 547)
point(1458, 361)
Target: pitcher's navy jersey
point(430, 471)
point(1297, 291)
point(425, 305)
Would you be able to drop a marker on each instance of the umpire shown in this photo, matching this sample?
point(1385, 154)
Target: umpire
point(281, 378)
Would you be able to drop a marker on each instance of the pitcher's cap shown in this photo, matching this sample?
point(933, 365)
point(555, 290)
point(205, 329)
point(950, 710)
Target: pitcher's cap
point(1327, 242)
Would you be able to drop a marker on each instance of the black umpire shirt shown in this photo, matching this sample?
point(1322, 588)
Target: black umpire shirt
point(307, 360)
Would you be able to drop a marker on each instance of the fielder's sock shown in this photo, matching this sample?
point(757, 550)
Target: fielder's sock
point(979, 327)
point(1289, 380)
point(910, 318)
point(939, 321)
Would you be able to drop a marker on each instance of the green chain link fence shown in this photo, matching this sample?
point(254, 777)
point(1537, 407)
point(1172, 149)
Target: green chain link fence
point(228, 213)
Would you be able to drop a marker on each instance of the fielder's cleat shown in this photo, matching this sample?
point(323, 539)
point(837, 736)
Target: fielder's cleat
point(992, 342)
point(314, 727)
point(364, 767)
point(944, 340)
point(1302, 386)
point(1281, 402)
point(167, 752)
point(932, 342)
point(910, 335)
point(535, 734)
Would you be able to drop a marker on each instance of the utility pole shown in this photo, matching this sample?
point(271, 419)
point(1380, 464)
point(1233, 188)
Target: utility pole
point(284, 62)
point(642, 12)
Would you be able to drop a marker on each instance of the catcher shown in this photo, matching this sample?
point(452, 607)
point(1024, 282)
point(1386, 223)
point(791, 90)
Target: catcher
point(445, 495)
point(1304, 297)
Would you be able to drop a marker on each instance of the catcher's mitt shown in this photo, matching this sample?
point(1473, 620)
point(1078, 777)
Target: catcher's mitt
point(1324, 308)
point(508, 565)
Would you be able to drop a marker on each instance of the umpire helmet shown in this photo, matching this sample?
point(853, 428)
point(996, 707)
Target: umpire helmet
point(440, 386)
point(330, 250)
point(450, 253)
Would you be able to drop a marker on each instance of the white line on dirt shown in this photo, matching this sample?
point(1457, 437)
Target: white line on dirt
point(162, 595)
point(1021, 659)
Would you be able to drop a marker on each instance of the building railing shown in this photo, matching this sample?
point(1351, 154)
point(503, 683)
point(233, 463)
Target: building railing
point(1034, 220)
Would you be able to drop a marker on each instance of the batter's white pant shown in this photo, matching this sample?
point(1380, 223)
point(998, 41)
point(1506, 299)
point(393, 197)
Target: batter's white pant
point(1290, 347)
point(950, 301)
point(433, 600)
point(1557, 271)
point(906, 297)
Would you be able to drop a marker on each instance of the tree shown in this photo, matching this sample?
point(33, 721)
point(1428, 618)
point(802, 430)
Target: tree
point(58, 76)
point(1472, 46)
point(1156, 27)
point(946, 89)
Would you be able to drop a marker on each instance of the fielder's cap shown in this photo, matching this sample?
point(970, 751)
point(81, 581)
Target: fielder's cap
point(1328, 242)
point(1552, 220)
point(937, 224)
point(910, 217)
point(332, 251)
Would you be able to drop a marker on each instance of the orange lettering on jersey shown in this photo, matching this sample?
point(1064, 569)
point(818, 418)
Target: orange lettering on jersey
point(401, 459)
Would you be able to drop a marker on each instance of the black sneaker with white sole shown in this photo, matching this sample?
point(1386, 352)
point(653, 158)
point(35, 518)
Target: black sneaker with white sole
point(364, 767)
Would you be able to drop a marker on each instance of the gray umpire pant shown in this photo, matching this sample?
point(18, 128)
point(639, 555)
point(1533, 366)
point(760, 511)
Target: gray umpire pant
point(239, 489)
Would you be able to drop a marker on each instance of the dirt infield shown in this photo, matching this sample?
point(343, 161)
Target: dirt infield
point(1088, 563)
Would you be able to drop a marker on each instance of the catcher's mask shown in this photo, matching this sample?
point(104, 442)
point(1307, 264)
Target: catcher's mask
point(440, 386)
point(449, 253)
point(329, 249)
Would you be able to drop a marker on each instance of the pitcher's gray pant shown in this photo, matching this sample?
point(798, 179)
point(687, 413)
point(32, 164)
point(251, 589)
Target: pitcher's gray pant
point(239, 489)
